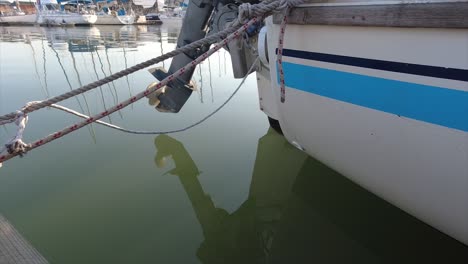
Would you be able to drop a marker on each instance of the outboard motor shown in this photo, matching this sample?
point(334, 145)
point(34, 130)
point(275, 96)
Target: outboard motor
point(202, 17)
point(193, 28)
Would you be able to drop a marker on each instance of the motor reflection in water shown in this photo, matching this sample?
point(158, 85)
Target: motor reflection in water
point(300, 211)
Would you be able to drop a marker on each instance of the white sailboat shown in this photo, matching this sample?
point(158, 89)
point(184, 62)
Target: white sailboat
point(367, 92)
point(112, 14)
point(146, 3)
point(51, 14)
point(111, 19)
point(18, 17)
point(172, 15)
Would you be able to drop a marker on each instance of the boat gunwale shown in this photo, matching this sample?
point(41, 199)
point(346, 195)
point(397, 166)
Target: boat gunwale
point(381, 14)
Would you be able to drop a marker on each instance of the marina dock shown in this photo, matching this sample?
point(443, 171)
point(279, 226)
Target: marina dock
point(14, 249)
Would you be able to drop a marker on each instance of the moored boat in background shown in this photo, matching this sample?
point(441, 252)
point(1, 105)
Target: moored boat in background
point(113, 14)
point(150, 18)
point(75, 13)
point(16, 16)
point(172, 15)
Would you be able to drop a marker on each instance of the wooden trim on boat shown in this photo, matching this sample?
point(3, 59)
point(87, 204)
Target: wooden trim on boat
point(426, 15)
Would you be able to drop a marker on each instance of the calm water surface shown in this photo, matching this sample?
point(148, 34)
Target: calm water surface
point(228, 191)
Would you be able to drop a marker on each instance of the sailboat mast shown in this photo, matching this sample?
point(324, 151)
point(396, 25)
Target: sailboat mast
point(18, 5)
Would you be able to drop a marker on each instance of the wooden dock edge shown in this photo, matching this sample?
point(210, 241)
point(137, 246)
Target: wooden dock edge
point(14, 249)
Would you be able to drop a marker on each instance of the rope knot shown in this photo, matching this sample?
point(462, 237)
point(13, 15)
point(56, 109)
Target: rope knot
point(16, 144)
point(17, 147)
point(245, 12)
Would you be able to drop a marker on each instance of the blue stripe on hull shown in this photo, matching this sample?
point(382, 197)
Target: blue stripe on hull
point(436, 105)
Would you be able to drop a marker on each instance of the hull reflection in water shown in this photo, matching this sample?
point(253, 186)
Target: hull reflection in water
point(299, 210)
point(81, 39)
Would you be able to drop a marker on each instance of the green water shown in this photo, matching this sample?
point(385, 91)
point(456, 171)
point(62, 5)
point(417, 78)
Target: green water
point(228, 191)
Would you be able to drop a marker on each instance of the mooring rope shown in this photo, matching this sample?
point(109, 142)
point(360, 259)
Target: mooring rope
point(165, 81)
point(140, 132)
point(258, 10)
point(279, 57)
point(17, 147)
point(16, 144)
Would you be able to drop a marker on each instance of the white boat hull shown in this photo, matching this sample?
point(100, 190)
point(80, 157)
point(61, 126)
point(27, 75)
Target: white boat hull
point(115, 20)
point(19, 19)
point(402, 136)
point(66, 19)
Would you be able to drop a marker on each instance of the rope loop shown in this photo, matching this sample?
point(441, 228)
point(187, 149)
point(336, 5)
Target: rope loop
point(16, 144)
point(17, 147)
point(245, 12)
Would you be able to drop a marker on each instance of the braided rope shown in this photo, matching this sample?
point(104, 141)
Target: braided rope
point(140, 132)
point(280, 56)
point(19, 147)
point(16, 144)
point(258, 10)
point(208, 40)
point(287, 5)
point(236, 34)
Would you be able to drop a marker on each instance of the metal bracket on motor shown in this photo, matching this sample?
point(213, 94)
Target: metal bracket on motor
point(242, 50)
point(173, 98)
point(177, 92)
